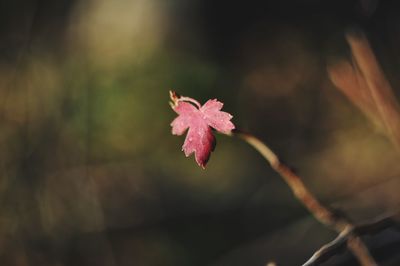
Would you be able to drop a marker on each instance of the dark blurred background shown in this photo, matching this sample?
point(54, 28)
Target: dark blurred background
point(91, 175)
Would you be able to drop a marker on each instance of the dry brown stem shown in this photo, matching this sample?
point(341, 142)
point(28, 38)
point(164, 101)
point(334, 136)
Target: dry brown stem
point(364, 83)
point(370, 227)
point(319, 211)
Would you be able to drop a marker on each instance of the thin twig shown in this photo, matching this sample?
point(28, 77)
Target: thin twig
point(365, 84)
point(320, 212)
point(327, 249)
point(371, 227)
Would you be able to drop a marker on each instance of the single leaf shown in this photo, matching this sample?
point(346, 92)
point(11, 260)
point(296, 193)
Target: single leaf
point(198, 121)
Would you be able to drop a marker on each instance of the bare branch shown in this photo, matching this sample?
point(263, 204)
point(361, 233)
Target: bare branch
point(319, 211)
point(328, 249)
point(367, 228)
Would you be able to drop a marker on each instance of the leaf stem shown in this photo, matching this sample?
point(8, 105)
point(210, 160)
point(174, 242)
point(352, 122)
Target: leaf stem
point(175, 98)
point(319, 211)
point(191, 100)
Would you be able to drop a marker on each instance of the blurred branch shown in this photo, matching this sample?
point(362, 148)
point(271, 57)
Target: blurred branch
point(365, 84)
point(320, 212)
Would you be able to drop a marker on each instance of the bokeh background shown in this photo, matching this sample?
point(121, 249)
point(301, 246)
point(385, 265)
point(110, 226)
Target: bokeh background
point(90, 174)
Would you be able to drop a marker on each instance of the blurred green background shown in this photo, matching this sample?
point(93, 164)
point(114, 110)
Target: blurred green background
point(91, 175)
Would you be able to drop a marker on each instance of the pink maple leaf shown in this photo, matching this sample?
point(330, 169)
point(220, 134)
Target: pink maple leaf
point(199, 120)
